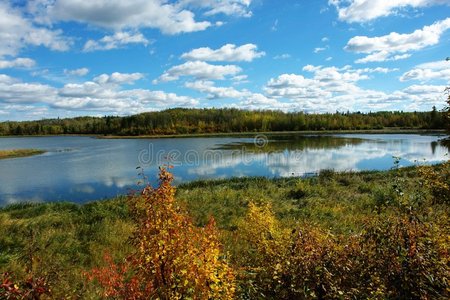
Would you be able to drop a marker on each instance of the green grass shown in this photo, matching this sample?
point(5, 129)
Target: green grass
point(337, 201)
point(19, 153)
point(61, 240)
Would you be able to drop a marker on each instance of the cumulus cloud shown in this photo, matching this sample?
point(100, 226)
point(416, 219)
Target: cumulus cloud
point(246, 98)
point(228, 52)
point(168, 17)
point(14, 91)
point(90, 96)
point(439, 70)
point(332, 88)
point(17, 63)
point(367, 10)
point(396, 46)
point(213, 92)
point(18, 32)
point(77, 72)
point(118, 78)
point(5, 79)
point(199, 70)
point(256, 101)
point(118, 40)
point(437, 90)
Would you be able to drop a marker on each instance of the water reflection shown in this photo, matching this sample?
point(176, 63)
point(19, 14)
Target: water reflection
point(277, 143)
point(81, 169)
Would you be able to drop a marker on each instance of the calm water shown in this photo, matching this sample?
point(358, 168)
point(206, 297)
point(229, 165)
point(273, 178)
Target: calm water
point(82, 168)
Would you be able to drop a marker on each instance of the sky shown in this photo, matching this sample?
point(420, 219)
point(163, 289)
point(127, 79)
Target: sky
point(67, 58)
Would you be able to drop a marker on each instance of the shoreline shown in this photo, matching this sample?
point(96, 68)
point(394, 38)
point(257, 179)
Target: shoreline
point(246, 134)
point(231, 181)
point(269, 133)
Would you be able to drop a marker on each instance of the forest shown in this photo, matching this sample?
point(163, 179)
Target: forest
point(225, 120)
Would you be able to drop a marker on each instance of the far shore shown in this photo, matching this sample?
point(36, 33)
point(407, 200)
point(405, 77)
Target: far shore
point(248, 134)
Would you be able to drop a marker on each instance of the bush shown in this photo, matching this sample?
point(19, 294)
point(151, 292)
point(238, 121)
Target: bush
point(395, 257)
point(173, 259)
point(437, 179)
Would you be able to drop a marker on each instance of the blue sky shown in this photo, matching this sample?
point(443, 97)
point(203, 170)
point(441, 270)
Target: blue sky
point(66, 58)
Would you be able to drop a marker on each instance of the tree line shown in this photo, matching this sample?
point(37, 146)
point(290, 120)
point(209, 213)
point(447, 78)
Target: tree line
point(224, 120)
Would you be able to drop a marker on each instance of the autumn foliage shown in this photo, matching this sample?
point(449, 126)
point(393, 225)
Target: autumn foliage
point(392, 242)
point(32, 288)
point(397, 257)
point(173, 259)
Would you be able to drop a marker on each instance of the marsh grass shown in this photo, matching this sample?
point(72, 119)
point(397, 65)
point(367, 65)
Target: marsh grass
point(61, 241)
point(19, 153)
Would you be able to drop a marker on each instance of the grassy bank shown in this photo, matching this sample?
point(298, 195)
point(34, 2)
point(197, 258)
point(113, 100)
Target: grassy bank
point(19, 153)
point(60, 241)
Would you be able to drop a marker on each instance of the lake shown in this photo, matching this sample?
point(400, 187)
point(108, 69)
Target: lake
point(81, 169)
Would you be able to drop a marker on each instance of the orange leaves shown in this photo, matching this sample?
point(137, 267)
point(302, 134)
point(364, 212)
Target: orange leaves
point(118, 280)
point(173, 259)
point(32, 288)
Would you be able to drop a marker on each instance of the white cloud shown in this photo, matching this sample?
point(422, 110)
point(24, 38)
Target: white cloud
point(246, 98)
point(5, 79)
point(396, 46)
point(118, 40)
point(17, 32)
point(293, 86)
point(14, 91)
point(438, 70)
point(214, 92)
point(199, 70)
point(168, 17)
point(255, 101)
point(92, 96)
point(282, 56)
point(17, 63)
point(239, 79)
point(227, 7)
point(77, 72)
point(381, 56)
point(319, 49)
point(228, 52)
point(331, 88)
point(118, 78)
point(436, 90)
point(89, 96)
point(367, 10)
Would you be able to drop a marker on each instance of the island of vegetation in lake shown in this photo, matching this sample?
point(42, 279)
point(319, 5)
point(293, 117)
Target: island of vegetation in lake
point(179, 121)
point(377, 235)
point(13, 153)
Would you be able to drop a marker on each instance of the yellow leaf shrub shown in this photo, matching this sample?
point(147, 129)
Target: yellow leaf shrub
point(173, 258)
point(437, 179)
